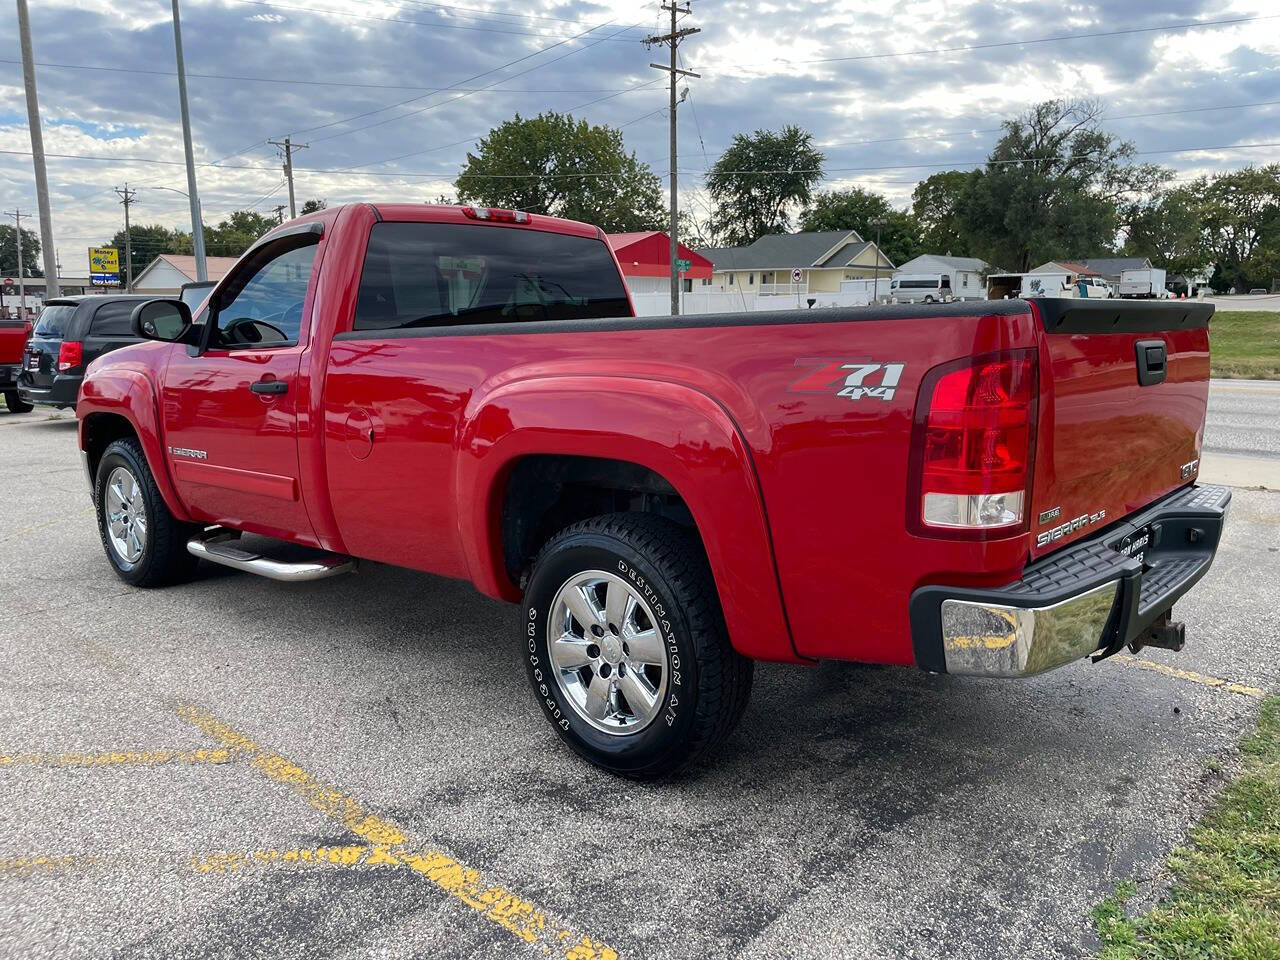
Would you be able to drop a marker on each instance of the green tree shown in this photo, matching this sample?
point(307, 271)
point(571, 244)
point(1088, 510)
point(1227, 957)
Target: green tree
point(148, 242)
point(1170, 230)
point(314, 205)
point(854, 209)
point(556, 165)
point(936, 204)
point(760, 180)
point(234, 235)
point(1053, 187)
point(1240, 222)
point(9, 252)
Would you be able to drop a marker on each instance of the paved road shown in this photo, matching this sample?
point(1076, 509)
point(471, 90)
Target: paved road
point(1244, 418)
point(355, 768)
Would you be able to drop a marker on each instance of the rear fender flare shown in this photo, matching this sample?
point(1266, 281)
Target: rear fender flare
point(679, 433)
point(129, 394)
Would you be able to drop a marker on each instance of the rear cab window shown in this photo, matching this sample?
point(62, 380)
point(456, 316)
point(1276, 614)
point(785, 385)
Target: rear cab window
point(438, 274)
point(55, 320)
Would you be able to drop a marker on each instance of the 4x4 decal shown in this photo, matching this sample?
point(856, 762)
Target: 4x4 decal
point(849, 378)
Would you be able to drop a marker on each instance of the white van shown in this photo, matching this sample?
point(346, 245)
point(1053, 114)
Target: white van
point(921, 288)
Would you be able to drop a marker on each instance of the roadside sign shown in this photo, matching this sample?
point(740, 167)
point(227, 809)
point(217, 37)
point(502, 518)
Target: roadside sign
point(797, 275)
point(683, 265)
point(104, 266)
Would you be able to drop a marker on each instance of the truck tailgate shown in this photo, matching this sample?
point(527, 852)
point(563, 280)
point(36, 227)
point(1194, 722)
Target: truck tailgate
point(13, 338)
point(1124, 387)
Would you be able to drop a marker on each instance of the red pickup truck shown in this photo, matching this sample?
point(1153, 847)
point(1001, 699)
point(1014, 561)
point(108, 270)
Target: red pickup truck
point(13, 344)
point(991, 488)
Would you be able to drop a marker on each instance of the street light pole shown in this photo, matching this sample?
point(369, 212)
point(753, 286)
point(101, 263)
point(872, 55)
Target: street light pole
point(197, 227)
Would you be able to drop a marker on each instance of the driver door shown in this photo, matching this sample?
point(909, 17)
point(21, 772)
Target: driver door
point(230, 410)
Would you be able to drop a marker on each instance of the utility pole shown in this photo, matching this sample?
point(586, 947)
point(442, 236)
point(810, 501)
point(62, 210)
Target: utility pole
point(673, 39)
point(279, 212)
point(289, 147)
point(877, 222)
point(126, 198)
point(197, 224)
point(22, 290)
point(37, 154)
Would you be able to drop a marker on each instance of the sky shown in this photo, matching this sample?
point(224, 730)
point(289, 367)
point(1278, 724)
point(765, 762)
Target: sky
point(390, 95)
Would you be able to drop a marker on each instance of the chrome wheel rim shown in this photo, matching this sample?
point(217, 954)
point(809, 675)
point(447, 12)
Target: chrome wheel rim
point(126, 515)
point(607, 653)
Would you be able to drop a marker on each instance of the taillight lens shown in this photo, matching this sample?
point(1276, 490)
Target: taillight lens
point(70, 355)
point(974, 440)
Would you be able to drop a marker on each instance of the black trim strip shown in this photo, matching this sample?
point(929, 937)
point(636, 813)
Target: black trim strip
point(1069, 315)
point(315, 227)
point(906, 311)
point(376, 215)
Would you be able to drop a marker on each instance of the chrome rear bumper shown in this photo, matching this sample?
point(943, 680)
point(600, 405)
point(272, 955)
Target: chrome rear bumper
point(1087, 598)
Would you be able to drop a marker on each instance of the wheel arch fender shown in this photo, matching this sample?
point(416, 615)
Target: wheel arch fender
point(678, 432)
point(128, 395)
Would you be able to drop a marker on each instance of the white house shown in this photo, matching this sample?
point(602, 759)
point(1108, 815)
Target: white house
point(965, 273)
point(169, 271)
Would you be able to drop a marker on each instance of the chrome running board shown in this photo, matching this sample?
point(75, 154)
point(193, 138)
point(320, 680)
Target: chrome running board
point(217, 546)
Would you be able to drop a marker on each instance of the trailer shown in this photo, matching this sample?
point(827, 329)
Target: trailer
point(1147, 283)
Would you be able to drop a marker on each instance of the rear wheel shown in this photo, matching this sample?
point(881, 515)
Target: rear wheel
point(928, 298)
point(145, 543)
point(13, 400)
point(626, 648)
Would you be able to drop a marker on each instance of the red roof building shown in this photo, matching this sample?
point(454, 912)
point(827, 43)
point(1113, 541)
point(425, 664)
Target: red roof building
point(648, 254)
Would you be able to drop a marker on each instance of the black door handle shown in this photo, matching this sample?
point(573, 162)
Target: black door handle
point(269, 386)
point(1153, 361)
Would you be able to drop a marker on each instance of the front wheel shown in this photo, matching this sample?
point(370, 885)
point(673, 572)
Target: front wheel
point(145, 544)
point(626, 648)
point(13, 400)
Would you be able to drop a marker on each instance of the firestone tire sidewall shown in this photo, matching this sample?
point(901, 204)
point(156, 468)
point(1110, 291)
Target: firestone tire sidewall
point(660, 743)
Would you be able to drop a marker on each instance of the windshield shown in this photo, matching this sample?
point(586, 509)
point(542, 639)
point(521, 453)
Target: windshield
point(54, 320)
point(432, 274)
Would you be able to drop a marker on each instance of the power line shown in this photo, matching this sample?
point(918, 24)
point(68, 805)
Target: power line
point(312, 83)
point(1056, 39)
point(433, 24)
point(442, 103)
point(521, 176)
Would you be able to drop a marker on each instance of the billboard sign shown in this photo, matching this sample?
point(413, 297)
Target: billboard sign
point(104, 266)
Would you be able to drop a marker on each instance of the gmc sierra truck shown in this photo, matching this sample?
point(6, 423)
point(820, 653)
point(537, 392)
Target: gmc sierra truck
point(991, 488)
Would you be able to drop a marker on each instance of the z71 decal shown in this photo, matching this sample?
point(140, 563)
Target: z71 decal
point(854, 379)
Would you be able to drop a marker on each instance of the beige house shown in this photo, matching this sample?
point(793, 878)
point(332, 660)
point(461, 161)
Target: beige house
point(824, 258)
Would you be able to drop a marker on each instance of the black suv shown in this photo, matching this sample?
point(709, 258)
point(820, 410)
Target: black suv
point(71, 332)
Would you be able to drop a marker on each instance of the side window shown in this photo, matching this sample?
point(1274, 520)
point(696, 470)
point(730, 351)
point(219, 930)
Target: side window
point(262, 306)
point(112, 319)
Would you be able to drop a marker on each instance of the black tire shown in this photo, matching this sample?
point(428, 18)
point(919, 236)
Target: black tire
point(13, 400)
point(164, 559)
point(708, 681)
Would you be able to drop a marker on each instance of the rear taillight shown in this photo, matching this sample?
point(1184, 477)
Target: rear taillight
point(496, 214)
point(973, 445)
point(70, 355)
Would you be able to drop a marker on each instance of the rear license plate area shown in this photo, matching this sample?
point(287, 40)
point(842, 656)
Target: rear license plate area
point(1136, 544)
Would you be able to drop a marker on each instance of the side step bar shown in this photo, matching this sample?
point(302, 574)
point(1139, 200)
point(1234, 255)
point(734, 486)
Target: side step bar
point(217, 546)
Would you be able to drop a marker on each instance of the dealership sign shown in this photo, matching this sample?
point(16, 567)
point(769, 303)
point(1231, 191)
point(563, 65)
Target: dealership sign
point(104, 266)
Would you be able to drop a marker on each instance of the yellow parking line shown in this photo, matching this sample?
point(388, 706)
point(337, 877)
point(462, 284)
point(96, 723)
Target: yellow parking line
point(116, 758)
point(48, 523)
point(388, 846)
point(1193, 677)
point(42, 863)
point(231, 862)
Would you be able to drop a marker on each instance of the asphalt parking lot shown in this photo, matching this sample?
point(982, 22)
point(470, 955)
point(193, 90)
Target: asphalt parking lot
point(237, 767)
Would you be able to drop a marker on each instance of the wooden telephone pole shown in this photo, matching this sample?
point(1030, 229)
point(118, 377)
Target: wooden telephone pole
point(672, 40)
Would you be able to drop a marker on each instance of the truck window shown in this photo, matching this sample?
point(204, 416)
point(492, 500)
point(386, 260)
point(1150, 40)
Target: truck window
point(266, 310)
point(112, 319)
point(436, 274)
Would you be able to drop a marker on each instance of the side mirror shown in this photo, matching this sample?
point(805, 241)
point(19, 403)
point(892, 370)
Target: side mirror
point(168, 321)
